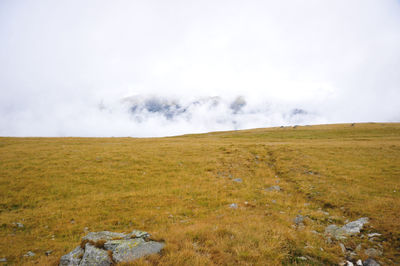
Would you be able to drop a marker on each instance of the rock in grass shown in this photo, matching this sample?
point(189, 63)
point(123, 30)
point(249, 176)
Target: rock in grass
point(73, 258)
point(95, 256)
point(348, 229)
point(299, 219)
point(354, 227)
point(238, 180)
point(273, 188)
point(129, 250)
point(29, 254)
point(370, 262)
point(373, 252)
point(3, 259)
point(20, 225)
point(233, 206)
point(101, 248)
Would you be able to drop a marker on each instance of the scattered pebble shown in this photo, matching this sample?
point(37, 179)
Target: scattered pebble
point(343, 248)
point(299, 219)
point(3, 260)
point(301, 258)
point(238, 180)
point(373, 235)
point(233, 206)
point(359, 263)
point(273, 188)
point(29, 254)
point(48, 252)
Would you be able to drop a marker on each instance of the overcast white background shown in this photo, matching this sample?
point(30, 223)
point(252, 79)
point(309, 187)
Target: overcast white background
point(67, 67)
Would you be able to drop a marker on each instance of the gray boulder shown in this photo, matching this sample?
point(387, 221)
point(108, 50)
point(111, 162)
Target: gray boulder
point(129, 250)
point(354, 227)
point(105, 248)
point(95, 256)
point(348, 229)
point(73, 258)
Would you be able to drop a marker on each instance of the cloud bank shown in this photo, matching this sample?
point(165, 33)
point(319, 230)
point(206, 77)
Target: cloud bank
point(151, 68)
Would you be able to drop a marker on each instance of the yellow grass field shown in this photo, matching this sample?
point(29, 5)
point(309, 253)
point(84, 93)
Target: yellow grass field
point(179, 189)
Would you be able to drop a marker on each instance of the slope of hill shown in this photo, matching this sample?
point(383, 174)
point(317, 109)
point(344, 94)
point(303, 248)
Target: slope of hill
point(207, 195)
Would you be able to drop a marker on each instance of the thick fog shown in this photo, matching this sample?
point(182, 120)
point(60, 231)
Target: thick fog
point(158, 68)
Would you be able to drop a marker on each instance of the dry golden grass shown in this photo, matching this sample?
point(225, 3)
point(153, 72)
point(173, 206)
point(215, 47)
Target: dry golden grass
point(179, 189)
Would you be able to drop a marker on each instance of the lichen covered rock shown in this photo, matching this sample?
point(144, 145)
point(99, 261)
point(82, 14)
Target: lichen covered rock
point(128, 250)
point(73, 258)
point(95, 256)
point(114, 247)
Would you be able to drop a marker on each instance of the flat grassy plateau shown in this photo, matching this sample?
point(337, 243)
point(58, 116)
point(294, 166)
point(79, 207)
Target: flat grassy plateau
point(180, 189)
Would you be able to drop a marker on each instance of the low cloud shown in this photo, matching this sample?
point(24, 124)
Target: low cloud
point(156, 68)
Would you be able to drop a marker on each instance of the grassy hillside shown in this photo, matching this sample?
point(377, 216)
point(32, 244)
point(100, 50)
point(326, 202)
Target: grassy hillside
point(179, 189)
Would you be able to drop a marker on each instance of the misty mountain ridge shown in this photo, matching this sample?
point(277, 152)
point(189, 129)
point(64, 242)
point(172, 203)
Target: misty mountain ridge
point(237, 111)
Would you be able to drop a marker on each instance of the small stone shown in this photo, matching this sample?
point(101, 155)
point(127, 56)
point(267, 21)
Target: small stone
point(372, 252)
point(273, 201)
point(370, 262)
point(343, 248)
point(29, 254)
point(301, 258)
point(233, 206)
point(352, 256)
point(359, 263)
point(273, 188)
point(238, 180)
point(349, 263)
point(48, 252)
point(72, 221)
point(373, 235)
point(19, 225)
point(3, 259)
point(299, 219)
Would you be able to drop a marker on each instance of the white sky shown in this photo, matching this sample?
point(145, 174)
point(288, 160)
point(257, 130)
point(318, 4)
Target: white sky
point(337, 59)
